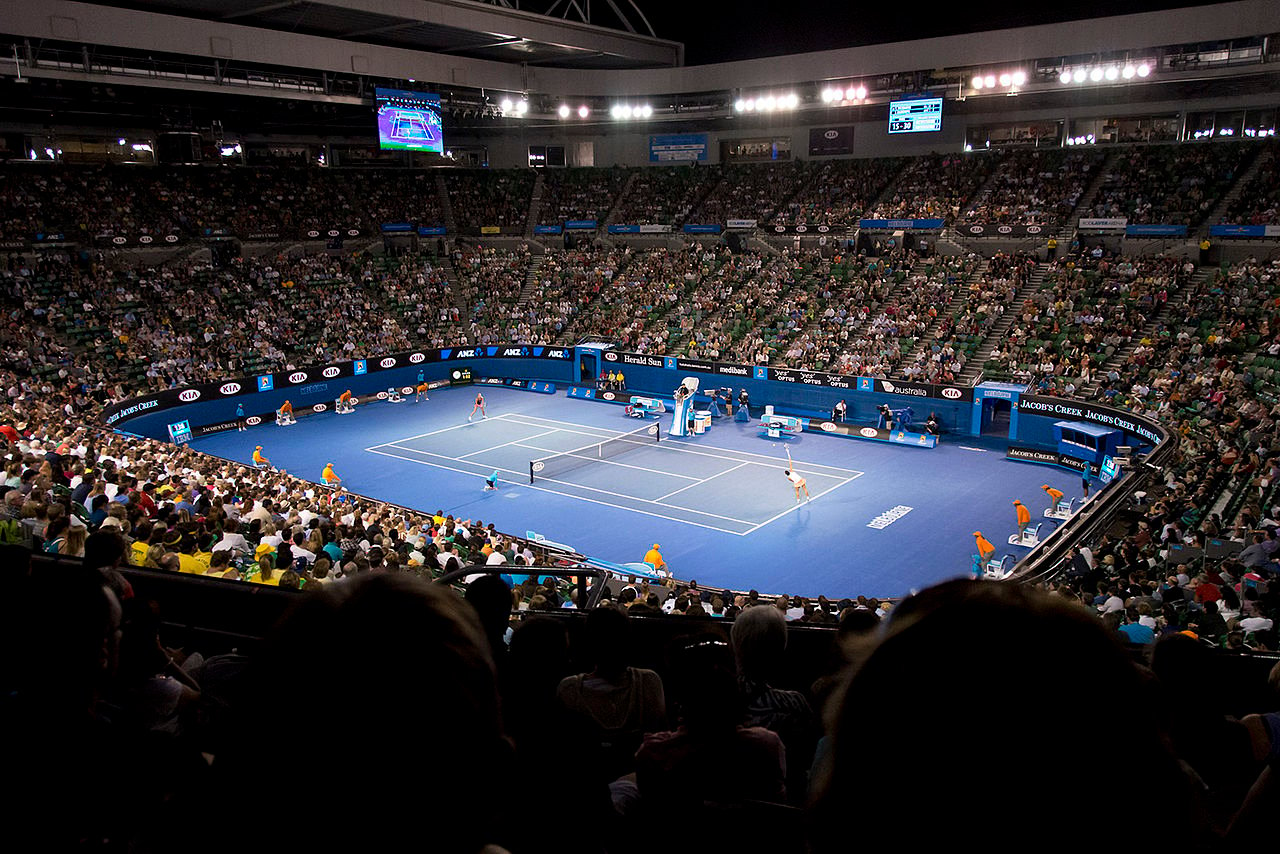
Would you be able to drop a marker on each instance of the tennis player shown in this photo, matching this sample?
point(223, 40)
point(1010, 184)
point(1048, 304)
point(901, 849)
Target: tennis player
point(479, 405)
point(799, 483)
point(491, 482)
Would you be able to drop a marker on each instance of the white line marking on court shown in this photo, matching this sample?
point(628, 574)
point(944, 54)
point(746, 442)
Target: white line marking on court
point(967, 448)
point(800, 504)
point(432, 433)
point(608, 462)
point(578, 497)
point(525, 474)
point(505, 444)
point(685, 450)
point(702, 481)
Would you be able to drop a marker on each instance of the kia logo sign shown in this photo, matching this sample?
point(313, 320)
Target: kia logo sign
point(299, 377)
point(824, 228)
point(537, 467)
point(333, 232)
point(319, 407)
point(382, 395)
point(189, 395)
point(976, 229)
point(1005, 229)
point(119, 241)
point(351, 232)
point(146, 238)
point(831, 134)
point(171, 238)
point(313, 233)
point(780, 228)
point(608, 395)
point(407, 390)
point(1034, 229)
point(253, 420)
point(828, 427)
point(611, 356)
point(417, 357)
point(869, 432)
point(951, 393)
point(229, 388)
point(331, 371)
point(388, 362)
point(800, 229)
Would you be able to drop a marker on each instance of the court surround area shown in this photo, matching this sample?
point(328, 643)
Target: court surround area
point(883, 519)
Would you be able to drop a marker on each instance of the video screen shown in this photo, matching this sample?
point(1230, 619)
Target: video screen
point(409, 121)
point(921, 115)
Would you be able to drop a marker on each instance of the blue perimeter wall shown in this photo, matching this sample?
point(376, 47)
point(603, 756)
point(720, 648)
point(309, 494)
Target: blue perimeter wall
point(789, 398)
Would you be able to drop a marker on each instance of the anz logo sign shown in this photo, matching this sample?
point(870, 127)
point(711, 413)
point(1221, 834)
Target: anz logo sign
point(557, 354)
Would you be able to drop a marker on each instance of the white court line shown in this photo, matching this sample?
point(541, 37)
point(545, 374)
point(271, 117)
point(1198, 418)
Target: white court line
point(684, 450)
point(432, 433)
point(800, 503)
point(505, 444)
point(704, 480)
point(609, 462)
point(525, 474)
point(577, 497)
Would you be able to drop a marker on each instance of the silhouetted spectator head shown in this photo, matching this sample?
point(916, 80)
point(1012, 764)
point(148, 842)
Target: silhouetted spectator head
point(991, 707)
point(759, 642)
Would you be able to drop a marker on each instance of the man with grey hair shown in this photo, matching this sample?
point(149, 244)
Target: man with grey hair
point(759, 638)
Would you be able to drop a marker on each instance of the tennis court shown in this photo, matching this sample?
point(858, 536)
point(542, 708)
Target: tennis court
point(709, 487)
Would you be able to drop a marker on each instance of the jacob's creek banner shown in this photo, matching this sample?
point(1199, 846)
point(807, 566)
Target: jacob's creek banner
point(1057, 407)
point(312, 381)
point(1049, 458)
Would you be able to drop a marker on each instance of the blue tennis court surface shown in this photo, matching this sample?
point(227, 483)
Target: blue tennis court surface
point(884, 519)
point(714, 488)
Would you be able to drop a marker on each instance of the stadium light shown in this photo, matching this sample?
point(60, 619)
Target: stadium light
point(584, 111)
point(1112, 73)
point(1064, 77)
point(1019, 77)
point(1144, 70)
point(1095, 74)
point(564, 111)
point(121, 141)
point(861, 92)
point(522, 107)
point(645, 112)
point(977, 81)
point(989, 81)
point(506, 105)
point(1128, 72)
point(1006, 79)
point(1079, 75)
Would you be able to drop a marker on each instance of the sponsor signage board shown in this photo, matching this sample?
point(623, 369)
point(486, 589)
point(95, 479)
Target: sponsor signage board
point(1057, 407)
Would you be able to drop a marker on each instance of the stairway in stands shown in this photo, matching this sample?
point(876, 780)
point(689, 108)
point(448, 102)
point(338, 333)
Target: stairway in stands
point(973, 369)
point(1173, 311)
point(535, 204)
point(1090, 193)
point(1261, 158)
point(612, 217)
point(532, 278)
point(446, 207)
point(952, 306)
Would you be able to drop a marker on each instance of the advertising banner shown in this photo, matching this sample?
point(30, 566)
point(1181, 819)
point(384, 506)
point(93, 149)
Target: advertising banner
point(655, 228)
point(825, 142)
point(702, 229)
point(802, 228)
point(1155, 230)
point(876, 434)
point(902, 224)
point(624, 229)
point(431, 231)
point(547, 229)
point(1056, 407)
point(740, 224)
point(977, 229)
point(1103, 224)
point(580, 224)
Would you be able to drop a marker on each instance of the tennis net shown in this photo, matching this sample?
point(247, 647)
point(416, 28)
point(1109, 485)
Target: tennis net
point(556, 464)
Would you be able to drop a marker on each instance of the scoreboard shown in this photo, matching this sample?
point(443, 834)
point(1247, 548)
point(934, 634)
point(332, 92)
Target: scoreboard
point(918, 116)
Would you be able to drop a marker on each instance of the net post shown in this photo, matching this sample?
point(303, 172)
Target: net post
point(530, 471)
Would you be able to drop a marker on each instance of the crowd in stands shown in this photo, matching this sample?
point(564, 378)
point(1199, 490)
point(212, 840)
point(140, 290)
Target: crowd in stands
point(1259, 200)
point(935, 186)
point(1035, 187)
point(751, 192)
point(582, 194)
point(838, 192)
point(665, 195)
point(1169, 184)
point(481, 198)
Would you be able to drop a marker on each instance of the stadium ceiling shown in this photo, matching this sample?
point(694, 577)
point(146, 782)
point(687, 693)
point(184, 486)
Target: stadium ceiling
point(491, 31)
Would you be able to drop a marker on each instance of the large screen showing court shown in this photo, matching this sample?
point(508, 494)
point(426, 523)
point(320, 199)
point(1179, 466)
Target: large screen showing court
point(409, 121)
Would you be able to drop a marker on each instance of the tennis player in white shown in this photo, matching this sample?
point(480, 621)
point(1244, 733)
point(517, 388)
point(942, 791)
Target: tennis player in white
point(799, 483)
